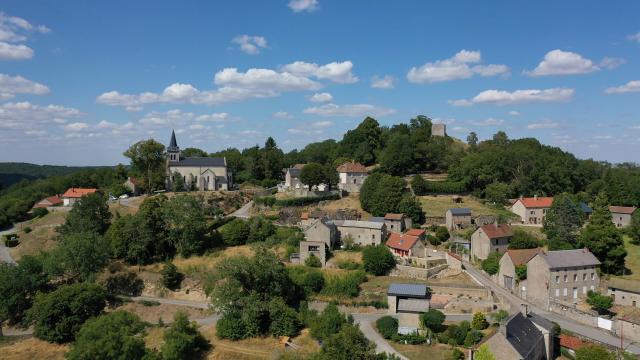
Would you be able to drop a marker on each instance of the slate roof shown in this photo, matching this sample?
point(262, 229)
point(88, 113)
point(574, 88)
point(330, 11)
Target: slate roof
point(359, 224)
point(624, 284)
point(522, 256)
point(499, 231)
point(537, 202)
point(460, 211)
point(78, 192)
point(173, 144)
point(408, 290)
point(401, 241)
point(376, 219)
point(413, 305)
point(522, 334)
point(622, 209)
point(540, 321)
point(391, 216)
point(351, 167)
point(570, 258)
point(586, 208)
point(201, 162)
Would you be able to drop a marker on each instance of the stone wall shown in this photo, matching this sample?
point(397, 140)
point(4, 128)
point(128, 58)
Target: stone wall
point(434, 220)
point(416, 272)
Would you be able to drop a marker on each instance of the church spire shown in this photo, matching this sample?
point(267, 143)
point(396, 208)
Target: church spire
point(173, 144)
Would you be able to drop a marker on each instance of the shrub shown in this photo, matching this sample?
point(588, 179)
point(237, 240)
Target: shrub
point(299, 201)
point(479, 321)
point(11, 240)
point(491, 265)
point(149, 303)
point(27, 230)
point(228, 327)
point(313, 261)
point(183, 340)
point(377, 260)
point(442, 234)
point(521, 272)
point(40, 212)
point(456, 354)
point(600, 303)
point(473, 337)
point(264, 200)
point(411, 339)
point(500, 316)
point(284, 320)
point(344, 285)
point(236, 232)
point(329, 322)
point(127, 283)
point(349, 265)
point(310, 280)
point(171, 278)
point(432, 320)
point(387, 326)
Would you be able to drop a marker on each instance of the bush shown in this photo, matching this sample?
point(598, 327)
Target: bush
point(329, 322)
point(600, 303)
point(491, 265)
point(183, 340)
point(228, 327)
point(521, 272)
point(149, 303)
point(127, 283)
point(500, 316)
point(313, 261)
point(456, 354)
point(473, 337)
point(40, 212)
point(410, 339)
point(265, 200)
point(344, 285)
point(27, 230)
point(310, 280)
point(11, 240)
point(432, 320)
point(442, 234)
point(171, 278)
point(284, 320)
point(439, 187)
point(235, 232)
point(479, 321)
point(378, 260)
point(387, 326)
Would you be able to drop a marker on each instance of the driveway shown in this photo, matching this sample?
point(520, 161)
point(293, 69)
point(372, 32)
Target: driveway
point(243, 212)
point(5, 256)
point(365, 322)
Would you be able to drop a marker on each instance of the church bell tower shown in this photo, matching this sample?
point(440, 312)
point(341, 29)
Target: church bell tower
point(173, 151)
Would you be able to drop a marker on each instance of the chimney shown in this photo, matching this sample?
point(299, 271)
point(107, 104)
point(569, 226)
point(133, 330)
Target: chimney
point(521, 197)
point(525, 308)
point(535, 196)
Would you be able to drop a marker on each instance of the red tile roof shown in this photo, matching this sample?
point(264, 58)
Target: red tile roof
point(571, 342)
point(391, 216)
point(622, 209)
point(304, 216)
point(537, 202)
point(49, 201)
point(493, 231)
point(415, 232)
point(351, 167)
point(78, 192)
point(522, 256)
point(401, 241)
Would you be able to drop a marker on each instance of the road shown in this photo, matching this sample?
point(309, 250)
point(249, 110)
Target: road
point(5, 256)
point(565, 323)
point(243, 212)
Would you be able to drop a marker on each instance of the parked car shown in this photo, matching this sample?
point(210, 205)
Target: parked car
point(124, 196)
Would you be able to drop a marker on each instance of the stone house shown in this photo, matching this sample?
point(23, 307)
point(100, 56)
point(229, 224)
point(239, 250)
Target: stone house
point(321, 230)
point(621, 215)
point(490, 238)
point(73, 195)
point(132, 184)
point(292, 177)
point(397, 222)
point(199, 173)
point(363, 233)
point(50, 201)
point(624, 292)
point(315, 248)
point(408, 301)
point(562, 275)
point(458, 218)
point(406, 246)
point(522, 338)
point(507, 274)
point(532, 210)
point(352, 175)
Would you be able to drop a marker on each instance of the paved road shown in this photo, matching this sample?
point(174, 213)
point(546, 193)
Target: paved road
point(565, 323)
point(365, 322)
point(243, 212)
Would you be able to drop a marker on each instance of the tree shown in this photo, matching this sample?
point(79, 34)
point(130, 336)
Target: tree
point(600, 303)
point(483, 353)
point(284, 320)
point(178, 183)
point(491, 265)
point(363, 142)
point(260, 229)
point(634, 228)
point(523, 240)
point(90, 214)
point(397, 157)
point(193, 152)
point(381, 194)
point(348, 343)
point(116, 335)
point(500, 316)
point(377, 260)
point(185, 221)
point(329, 322)
point(500, 138)
point(18, 286)
point(479, 321)
point(411, 207)
point(472, 139)
point(496, 192)
point(171, 278)
point(442, 234)
point(387, 326)
point(602, 238)
point(419, 185)
point(183, 340)
point(562, 222)
point(432, 320)
point(236, 232)
point(312, 261)
point(313, 174)
point(147, 159)
point(79, 255)
point(59, 315)
point(594, 352)
point(331, 177)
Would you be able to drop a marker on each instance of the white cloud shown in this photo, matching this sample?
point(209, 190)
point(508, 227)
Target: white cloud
point(322, 124)
point(340, 72)
point(545, 124)
point(303, 5)
point(385, 82)
point(321, 97)
point(487, 122)
point(215, 117)
point(611, 63)
point(558, 62)
point(356, 110)
point(634, 37)
point(173, 117)
point(454, 68)
point(297, 131)
point(250, 44)
point(501, 97)
point(28, 116)
point(15, 30)
point(459, 129)
point(631, 86)
point(12, 85)
point(76, 126)
point(15, 52)
point(514, 113)
point(282, 115)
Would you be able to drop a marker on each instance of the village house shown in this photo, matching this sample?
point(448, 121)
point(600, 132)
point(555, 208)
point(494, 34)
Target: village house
point(308, 217)
point(406, 246)
point(313, 248)
point(532, 210)
point(522, 338)
point(292, 177)
point(624, 292)
point(408, 301)
point(458, 218)
point(133, 185)
point(490, 238)
point(352, 175)
point(507, 277)
point(362, 233)
point(50, 201)
point(621, 215)
point(561, 276)
point(199, 173)
point(397, 222)
point(73, 195)
point(321, 230)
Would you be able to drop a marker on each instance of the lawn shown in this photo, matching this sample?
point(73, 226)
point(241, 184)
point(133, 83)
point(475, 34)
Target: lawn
point(41, 237)
point(348, 202)
point(30, 348)
point(424, 352)
point(632, 261)
point(437, 205)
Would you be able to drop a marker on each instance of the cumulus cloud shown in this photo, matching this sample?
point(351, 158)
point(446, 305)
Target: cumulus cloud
point(215, 117)
point(28, 116)
point(631, 86)
point(340, 72)
point(76, 127)
point(487, 122)
point(611, 63)
point(634, 37)
point(13, 31)
point(460, 66)
point(250, 44)
point(321, 97)
point(356, 110)
point(502, 97)
point(558, 62)
point(303, 5)
point(545, 124)
point(322, 124)
point(514, 113)
point(12, 85)
point(282, 115)
point(384, 82)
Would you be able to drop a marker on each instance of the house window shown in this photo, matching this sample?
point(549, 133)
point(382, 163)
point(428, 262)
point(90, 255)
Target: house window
point(557, 292)
point(593, 276)
point(195, 179)
point(584, 277)
point(566, 278)
point(314, 248)
point(532, 212)
point(557, 279)
point(564, 292)
point(592, 287)
point(575, 277)
point(633, 303)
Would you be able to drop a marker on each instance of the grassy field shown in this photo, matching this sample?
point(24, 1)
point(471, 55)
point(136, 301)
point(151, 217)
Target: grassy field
point(41, 237)
point(437, 205)
point(348, 202)
point(424, 352)
point(632, 261)
point(30, 348)
point(166, 312)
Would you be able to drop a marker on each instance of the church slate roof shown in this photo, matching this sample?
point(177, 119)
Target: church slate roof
point(173, 144)
point(201, 162)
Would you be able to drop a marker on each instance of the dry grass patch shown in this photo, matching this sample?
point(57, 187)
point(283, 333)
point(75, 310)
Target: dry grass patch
point(128, 206)
point(249, 349)
point(154, 338)
point(166, 312)
point(437, 205)
point(632, 261)
point(31, 348)
point(535, 231)
point(41, 237)
point(424, 352)
point(348, 202)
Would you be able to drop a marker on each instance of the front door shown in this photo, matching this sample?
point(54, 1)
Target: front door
point(575, 293)
point(508, 282)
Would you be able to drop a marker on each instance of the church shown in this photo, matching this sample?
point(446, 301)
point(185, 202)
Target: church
point(198, 173)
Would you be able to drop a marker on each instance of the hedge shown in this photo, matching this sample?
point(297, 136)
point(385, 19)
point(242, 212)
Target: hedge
point(441, 187)
point(300, 201)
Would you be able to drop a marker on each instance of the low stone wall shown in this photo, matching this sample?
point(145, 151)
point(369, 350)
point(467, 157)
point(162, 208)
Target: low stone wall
point(417, 272)
point(477, 293)
point(434, 220)
point(568, 310)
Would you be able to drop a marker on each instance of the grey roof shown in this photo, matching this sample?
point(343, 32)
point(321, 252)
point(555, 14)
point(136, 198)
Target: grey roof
point(586, 208)
point(376, 219)
point(413, 305)
point(570, 258)
point(408, 290)
point(294, 171)
point(624, 284)
point(201, 162)
point(540, 321)
point(460, 211)
point(359, 224)
point(522, 334)
point(173, 144)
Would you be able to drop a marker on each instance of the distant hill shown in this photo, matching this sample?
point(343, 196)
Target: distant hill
point(11, 173)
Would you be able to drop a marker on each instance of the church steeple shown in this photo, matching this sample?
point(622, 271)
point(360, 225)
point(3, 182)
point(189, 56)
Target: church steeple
point(173, 151)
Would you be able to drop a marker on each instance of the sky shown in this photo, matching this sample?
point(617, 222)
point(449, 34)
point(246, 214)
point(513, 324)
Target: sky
point(80, 81)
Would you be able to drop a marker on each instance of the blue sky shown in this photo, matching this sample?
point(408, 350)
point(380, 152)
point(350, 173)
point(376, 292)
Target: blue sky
point(82, 80)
